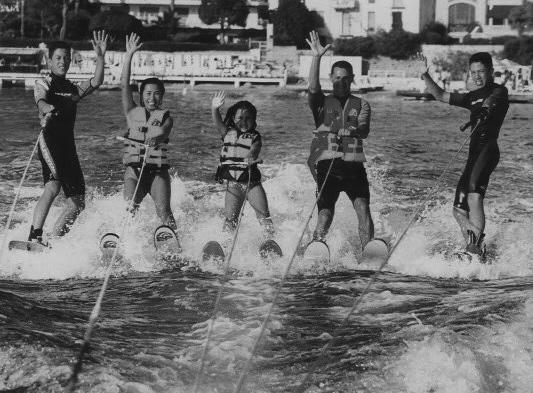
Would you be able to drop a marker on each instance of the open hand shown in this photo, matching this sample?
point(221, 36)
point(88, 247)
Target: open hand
point(99, 42)
point(218, 100)
point(315, 45)
point(421, 64)
point(133, 43)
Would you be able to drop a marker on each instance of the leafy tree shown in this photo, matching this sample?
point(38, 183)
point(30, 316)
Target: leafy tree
point(520, 50)
point(116, 22)
point(224, 12)
point(435, 33)
point(521, 17)
point(356, 46)
point(292, 23)
point(454, 62)
point(44, 18)
point(397, 44)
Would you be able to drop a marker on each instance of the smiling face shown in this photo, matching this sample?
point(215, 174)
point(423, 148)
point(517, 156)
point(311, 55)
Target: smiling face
point(480, 74)
point(152, 96)
point(244, 120)
point(60, 62)
point(342, 80)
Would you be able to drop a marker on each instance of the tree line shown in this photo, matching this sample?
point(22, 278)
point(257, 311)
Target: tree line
point(76, 19)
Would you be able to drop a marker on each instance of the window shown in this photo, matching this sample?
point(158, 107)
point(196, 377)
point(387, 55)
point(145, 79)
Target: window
point(460, 16)
point(397, 20)
point(346, 23)
point(371, 22)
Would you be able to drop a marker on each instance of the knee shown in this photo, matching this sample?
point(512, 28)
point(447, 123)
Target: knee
point(76, 204)
point(52, 189)
point(362, 207)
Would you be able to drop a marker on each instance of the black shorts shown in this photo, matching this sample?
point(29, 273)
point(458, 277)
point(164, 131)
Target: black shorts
point(62, 165)
point(475, 177)
point(349, 177)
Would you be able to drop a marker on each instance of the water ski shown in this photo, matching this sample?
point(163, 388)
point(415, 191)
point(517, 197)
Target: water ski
point(316, 252)
point(27, 246)
point(375, 253)
point(213, 250)
point(108, 244)
point(270, 249)
point(166, 242)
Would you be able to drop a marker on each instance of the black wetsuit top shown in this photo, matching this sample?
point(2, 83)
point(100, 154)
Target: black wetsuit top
point(57, 149)
point(488, 106)
point(492, 97)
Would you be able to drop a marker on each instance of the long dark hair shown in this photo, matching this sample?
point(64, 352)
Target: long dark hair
point(232, 110)
point(151, 81)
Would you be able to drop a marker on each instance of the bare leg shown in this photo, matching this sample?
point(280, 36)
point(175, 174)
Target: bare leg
point(130, 183)
point(463, 219)
point(74, 206)
point(258, 200)
point(233, 204)
point(477, 213)
point(160, 192)
point(51, 190)
point(366, 225)
point(323, 222)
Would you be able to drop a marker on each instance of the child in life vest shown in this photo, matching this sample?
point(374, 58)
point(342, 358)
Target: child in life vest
point(238, 162)
point(148, 124)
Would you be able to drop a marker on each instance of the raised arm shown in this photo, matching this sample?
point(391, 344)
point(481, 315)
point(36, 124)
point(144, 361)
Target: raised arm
point(216, 104)
point(99, 43)
point(133, 44)
point(318, 51)
point(432, 87)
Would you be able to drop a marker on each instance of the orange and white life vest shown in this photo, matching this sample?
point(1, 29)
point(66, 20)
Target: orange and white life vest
point(236, 150)
point(140, 130)
point(329, 144)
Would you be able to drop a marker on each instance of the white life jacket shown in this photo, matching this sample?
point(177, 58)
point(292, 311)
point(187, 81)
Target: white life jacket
point(328, 144)
point(140, 130)
point(236, 150)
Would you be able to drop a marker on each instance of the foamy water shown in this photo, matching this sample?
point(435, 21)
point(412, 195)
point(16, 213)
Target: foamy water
point(430, 323)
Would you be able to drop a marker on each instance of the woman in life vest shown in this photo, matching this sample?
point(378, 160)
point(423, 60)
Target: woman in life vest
point(148, 125)
point(238, 162)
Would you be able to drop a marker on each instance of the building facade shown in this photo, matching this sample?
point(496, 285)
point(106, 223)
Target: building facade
point(349, 18)
point(149, 11)
point(492, 16)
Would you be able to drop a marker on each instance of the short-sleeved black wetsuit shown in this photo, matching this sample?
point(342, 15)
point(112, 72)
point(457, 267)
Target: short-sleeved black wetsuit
point(488, 106)
point(349, 177)
point(57, 150)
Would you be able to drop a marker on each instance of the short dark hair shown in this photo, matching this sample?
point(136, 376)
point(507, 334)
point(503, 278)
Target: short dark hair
point(151, 81)
point(52, 46)
point(481, 57)
point(342, 64)
point(232, 110)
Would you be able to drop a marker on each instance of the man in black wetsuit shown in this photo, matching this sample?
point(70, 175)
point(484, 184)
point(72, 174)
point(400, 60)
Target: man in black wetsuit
point(57, 100)
point(488, 106)
point(342, 121)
